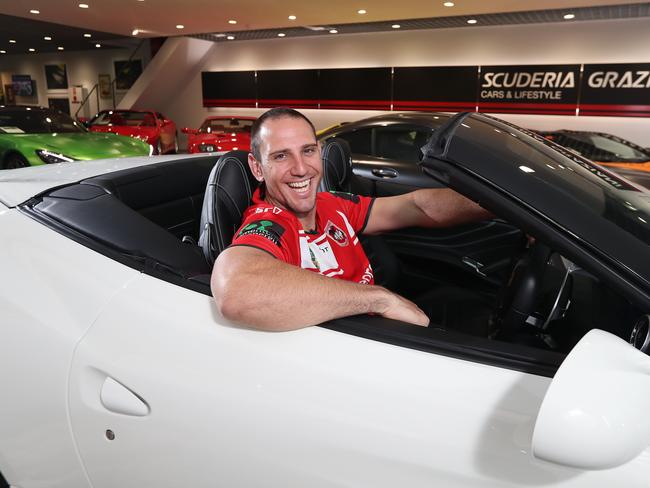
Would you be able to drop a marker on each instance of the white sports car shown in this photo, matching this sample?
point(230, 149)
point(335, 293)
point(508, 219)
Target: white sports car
point(117, 370)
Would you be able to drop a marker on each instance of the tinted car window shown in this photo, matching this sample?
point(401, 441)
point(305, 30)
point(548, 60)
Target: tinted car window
point(124, 118)
point(359, 140)
point(226, 125)
point(36, 122)
point(400, 143)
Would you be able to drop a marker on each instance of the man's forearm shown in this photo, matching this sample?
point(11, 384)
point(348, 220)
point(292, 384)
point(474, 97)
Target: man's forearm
point(445, 207)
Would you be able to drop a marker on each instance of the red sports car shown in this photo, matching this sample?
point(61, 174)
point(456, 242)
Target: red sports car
point(147, 125)
point(220, 134)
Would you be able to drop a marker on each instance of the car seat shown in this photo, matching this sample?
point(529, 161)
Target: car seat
point(228, 194)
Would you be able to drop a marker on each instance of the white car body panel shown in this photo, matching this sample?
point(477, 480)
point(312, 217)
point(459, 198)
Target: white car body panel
point(314, 407)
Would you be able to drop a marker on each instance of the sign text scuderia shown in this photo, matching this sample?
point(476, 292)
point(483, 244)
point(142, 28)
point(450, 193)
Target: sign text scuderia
point(539, 85)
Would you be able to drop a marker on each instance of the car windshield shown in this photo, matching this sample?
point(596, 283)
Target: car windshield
point(603, 149)
point(124, 118)
point(36, 121)
point(226, 125)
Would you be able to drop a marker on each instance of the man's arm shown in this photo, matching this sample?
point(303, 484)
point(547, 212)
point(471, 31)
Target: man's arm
point(437, 207)
point(254, 288)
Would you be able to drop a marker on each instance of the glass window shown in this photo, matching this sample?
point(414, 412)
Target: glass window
point(36, 121)
point(226, 125)
point(400, 143)
point(359, 141)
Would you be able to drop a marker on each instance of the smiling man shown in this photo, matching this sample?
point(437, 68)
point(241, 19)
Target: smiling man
point(277, 273)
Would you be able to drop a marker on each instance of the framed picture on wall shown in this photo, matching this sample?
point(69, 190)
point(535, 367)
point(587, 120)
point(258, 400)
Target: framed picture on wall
point(126, 72)
point(10, 96)
point(104, 85)
point(56, 77)
point(62, 104)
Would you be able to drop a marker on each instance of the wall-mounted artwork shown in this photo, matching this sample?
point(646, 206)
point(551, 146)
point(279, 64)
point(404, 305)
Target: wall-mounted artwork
point(126, 72)
point(104, 85)
point(23, 85)
point(56, 76)
point(62, 104)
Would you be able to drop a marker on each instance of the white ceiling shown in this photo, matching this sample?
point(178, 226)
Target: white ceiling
point(154, 18)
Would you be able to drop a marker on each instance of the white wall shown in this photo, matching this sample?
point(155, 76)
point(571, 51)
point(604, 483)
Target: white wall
point(82, 68)
point(556, 43)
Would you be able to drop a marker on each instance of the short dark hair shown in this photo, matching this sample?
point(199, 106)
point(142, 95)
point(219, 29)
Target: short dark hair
point(274, 113)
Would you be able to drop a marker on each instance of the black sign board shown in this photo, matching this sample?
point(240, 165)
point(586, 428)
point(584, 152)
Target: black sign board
point(355, 88)
point(545, 89)
point(451, 88)
point(228, 89)
point(288, 88)
point(616, 89)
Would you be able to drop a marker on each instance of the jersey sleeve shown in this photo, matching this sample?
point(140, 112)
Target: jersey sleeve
point(356, 208)
point(271, 234)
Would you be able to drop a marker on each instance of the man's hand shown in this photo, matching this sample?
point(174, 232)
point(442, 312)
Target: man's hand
point(399, 308)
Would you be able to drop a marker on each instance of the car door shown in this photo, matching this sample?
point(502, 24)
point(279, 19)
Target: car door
point(164, 392)
point(387, 155)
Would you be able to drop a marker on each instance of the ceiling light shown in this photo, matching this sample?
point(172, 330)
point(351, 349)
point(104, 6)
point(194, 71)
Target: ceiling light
point(396, 26)
point(292, 17)
point(135, 32)
point(88, 35)
point(362, 11)
point(31, 49)
point(83, 5)
point(333, 31)
point(12, 41)
point(569, 16)
point(47, 38)
point(98, 45)
point(60, 48)
point(472, 21)
point(231, 38)
point(35, 12)
point(281, 34)
point(2, 51)
point(180, 26)
point(448, 4)
point(233, 22)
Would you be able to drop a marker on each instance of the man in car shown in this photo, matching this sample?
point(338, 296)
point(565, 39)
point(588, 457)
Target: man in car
point(277, 273)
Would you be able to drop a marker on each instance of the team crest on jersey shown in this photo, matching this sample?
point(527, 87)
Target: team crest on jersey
point(264, 228)
point(336, 234)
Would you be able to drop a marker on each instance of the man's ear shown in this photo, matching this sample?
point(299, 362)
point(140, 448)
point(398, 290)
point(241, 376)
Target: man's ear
point(256, 167)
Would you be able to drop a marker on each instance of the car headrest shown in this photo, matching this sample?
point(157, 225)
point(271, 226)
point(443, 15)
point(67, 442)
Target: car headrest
point(228, 194)
point(337, 165)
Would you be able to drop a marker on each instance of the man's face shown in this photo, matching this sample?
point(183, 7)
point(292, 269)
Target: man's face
point(290, 164)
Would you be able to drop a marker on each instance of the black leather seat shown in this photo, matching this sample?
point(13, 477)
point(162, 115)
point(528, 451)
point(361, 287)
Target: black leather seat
point(228, 194)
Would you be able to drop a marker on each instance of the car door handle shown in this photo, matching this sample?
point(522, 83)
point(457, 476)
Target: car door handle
point(385, 172)
point(119, 399)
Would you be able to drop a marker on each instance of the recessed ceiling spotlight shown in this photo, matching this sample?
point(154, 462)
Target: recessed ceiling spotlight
point(12, 41)
point(2, 51)
point(362, 11)
point(292, 17)
point(396, 26)
point(231, 38)
point(98, 45)
point(83, 5)
point(569, 16)
point(88, 35)
point(34, 11)
point(135, 32)
point(448, 4)
point(219, 35)
point(472, 21)
point(281, 34)
point(60, 48)
point(47, 38)
point(232, 21)
point(31, 49)
point(333, 31)
point(180, 26)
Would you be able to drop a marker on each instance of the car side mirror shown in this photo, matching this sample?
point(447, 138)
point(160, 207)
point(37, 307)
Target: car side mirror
point(595, 414)
point(187, 130)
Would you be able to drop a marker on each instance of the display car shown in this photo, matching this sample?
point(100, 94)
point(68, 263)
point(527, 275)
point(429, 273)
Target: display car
point(220, 134)
point(147, 125)
point(605, 149)
point(118, 370)
point(31, 136)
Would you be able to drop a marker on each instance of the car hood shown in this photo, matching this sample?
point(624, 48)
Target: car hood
point(19, 185)
point(589, 204)
point(82, 146)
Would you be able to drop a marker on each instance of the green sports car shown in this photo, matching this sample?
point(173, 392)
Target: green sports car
point(30, 136)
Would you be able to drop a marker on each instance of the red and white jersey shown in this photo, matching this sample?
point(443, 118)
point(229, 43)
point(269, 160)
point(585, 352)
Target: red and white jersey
point(332, 249)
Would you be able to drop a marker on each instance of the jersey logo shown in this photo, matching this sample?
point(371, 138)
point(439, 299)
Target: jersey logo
point(346, 196)
point(336, 234)
point(264, 228)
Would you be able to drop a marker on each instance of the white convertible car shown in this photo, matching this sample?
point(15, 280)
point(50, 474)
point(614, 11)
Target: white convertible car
point(117, 370)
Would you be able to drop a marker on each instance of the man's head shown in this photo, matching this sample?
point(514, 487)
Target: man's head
point(285, 155)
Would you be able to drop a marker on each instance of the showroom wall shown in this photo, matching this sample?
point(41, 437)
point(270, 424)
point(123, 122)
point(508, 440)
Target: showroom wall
point(82, 67)
point(617, 41)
